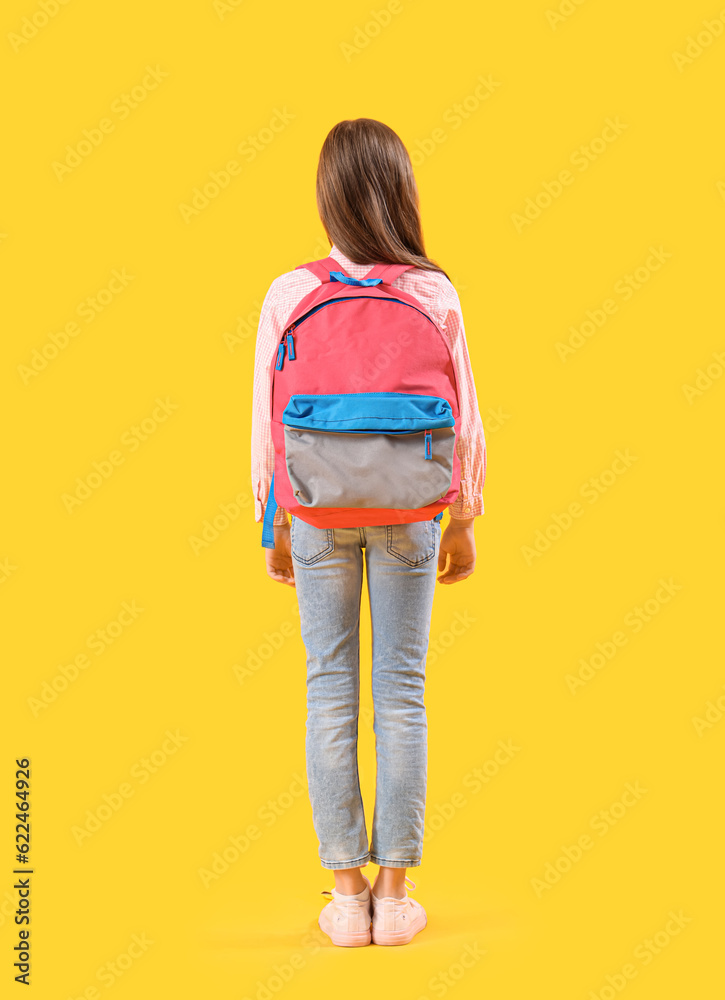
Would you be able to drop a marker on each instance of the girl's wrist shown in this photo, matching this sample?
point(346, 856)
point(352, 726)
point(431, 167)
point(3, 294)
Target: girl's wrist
point(461, 522)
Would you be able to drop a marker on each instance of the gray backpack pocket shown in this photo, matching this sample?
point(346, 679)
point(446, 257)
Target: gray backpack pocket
point(392, 450)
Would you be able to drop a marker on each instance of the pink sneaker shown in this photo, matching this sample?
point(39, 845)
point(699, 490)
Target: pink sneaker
point(346, 920)
point(397, 921)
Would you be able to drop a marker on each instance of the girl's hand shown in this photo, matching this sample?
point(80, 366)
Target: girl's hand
point(458, 549)
point(279, 559)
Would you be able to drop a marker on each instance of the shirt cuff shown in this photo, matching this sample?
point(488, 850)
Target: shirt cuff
point(466, 506)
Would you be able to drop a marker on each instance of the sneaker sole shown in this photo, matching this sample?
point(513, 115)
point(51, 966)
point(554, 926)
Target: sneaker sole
point(398, 937)
point(348, 940)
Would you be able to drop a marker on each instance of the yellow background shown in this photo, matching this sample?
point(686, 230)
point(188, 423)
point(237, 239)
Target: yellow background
point(205, 612)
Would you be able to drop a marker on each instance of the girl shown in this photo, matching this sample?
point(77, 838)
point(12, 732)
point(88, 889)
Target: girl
point(368, 203)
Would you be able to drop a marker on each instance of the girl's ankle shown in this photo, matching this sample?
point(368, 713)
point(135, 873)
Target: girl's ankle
point(398, 892)
point(350, 889)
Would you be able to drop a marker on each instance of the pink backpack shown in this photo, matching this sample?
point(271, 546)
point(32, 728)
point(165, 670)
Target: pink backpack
point(365, 408)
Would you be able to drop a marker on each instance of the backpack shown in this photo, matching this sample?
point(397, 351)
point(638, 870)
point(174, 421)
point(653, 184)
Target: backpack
point(365, 409)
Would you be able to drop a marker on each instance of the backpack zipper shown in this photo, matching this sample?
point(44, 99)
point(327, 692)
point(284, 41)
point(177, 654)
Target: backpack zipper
point(280, 350)
point(287, 341)
point(348, 298)
point(428, 438)
point(280, 356)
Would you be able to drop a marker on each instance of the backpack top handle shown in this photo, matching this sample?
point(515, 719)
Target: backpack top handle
point(323, 268)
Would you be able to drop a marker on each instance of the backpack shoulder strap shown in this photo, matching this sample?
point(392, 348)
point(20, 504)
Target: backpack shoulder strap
point(388, 272)
point(321, 268)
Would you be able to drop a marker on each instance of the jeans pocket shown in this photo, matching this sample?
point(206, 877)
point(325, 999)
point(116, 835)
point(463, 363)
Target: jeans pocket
point(413, 544)
point(310, 544)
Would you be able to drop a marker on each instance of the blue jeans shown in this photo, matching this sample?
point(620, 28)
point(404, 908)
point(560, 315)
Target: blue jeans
point(401, 566)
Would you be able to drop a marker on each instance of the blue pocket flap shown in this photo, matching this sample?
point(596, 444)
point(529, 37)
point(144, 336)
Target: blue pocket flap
point(362, 412)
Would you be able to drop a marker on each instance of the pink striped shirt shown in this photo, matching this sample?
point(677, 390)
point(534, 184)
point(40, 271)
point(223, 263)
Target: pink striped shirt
point(440, 299)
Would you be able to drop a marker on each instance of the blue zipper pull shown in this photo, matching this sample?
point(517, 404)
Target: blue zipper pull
point(429, 444)
point(280, 357)
point(291, 344)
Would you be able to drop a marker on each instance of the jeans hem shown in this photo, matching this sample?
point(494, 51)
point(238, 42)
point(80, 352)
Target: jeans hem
point(358, 863)
point(387, 863)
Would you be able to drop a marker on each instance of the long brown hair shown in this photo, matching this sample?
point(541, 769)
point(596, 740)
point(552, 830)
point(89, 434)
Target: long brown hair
point(367, 196)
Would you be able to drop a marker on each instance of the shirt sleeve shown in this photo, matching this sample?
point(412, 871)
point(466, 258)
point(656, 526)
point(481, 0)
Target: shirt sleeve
point(471, 444)
point(269, 333)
